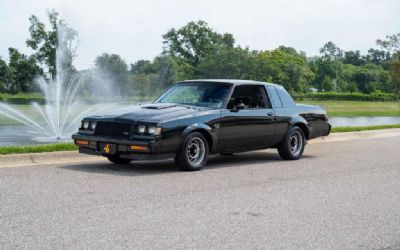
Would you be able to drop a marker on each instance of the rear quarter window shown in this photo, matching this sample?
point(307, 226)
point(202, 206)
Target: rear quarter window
point(285, 97)
point(275, 98)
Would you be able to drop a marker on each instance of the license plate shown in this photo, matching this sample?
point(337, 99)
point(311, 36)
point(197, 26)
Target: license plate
point(108, 148)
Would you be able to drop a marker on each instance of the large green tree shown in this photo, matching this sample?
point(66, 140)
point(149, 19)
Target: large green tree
point(391, 43)
point(232, 62)
point(353, 57)
point(392, 46)
point(160, 73)
point(3, 75)
point(194, 41)
point(114, 70)
point(285, 66)
point(377, 56)
point(21, 72)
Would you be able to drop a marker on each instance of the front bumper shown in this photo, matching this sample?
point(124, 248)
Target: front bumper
point(150, 150)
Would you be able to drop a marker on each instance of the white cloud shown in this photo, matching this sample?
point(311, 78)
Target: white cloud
point(133, 28)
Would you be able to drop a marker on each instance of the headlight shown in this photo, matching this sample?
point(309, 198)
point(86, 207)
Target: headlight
point(141, 129)
point(86, 124)
point(93, 125)
point(153, 130)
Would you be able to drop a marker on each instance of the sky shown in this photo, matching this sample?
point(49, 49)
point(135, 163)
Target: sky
point(134, 29)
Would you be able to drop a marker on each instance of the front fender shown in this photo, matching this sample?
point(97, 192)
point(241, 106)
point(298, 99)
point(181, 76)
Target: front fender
point(205, 129)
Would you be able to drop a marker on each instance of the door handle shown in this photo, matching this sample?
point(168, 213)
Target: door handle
point(270, 114)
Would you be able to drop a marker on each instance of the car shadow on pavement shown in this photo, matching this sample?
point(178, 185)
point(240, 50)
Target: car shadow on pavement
point(138, 168)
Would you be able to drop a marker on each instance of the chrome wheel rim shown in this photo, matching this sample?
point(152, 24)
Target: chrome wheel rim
point(195, 151)
point(295, 143)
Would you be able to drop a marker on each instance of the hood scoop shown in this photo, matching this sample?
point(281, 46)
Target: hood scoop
point(158, 106)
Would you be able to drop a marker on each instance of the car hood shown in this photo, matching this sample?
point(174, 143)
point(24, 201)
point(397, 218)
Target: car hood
point(155, 112)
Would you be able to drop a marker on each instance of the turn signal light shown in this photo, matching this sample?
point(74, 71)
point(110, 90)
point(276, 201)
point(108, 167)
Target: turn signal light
point(82, 142)
point(139, 148)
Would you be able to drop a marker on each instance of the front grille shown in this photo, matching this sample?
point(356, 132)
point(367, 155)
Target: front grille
point(121, 129)
point(114, 129)
point(103, 128)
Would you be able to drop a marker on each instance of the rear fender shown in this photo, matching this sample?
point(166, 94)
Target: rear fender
point(303, 124)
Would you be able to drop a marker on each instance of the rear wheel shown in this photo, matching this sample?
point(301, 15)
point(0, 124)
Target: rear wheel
point(292, 147)
point(193, 153)
point(118, 160)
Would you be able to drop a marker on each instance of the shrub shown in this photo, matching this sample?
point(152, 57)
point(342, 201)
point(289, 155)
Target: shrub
point(22, 98)
point(376, 96)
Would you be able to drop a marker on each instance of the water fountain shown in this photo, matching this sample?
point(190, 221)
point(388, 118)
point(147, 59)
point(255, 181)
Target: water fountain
point(60, 116)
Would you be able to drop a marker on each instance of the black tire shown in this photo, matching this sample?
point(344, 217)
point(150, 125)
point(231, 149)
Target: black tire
point(118, 160)
point(193, 154)
point(292, 146)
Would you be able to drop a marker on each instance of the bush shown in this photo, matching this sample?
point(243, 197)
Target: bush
point(22, 98)
point(382, 97)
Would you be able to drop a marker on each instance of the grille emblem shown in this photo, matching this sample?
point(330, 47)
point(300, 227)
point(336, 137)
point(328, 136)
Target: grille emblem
point(107, 149)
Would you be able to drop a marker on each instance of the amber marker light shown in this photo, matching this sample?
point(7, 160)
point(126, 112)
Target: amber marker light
point(82, 142)
point(139, 148)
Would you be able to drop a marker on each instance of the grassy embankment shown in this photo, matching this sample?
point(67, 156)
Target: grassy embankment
point(353, 129)
point(37, 148)
point(358, 108)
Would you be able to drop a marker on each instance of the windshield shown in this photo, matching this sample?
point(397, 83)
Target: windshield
point(198, 94)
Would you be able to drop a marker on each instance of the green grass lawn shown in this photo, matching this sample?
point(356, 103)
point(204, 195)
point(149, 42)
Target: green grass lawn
point(358, 108)
point(37, 148)
point(352, 129)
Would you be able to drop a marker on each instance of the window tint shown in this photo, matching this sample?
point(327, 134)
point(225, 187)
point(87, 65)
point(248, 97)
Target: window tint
point(275, 98)
point(252, 96)
point(286, 99)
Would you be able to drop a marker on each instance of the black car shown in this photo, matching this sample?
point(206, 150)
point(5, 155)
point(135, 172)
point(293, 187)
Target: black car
point(200, 117)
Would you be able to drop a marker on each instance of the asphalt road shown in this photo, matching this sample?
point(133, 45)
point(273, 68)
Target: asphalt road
point(341, 195)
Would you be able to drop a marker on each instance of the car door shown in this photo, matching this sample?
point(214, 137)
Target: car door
point(248, 126)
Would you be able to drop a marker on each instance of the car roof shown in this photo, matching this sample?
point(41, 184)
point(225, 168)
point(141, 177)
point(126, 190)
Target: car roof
point(231, 81)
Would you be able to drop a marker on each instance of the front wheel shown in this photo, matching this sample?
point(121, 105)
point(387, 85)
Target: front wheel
point(118, 160)
point(193, 153)
point(292, 147)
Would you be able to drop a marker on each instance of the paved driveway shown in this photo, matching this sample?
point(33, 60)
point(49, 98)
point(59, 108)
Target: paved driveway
point(341, 195)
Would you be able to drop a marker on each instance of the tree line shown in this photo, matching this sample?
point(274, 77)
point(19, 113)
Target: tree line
point(196, 51)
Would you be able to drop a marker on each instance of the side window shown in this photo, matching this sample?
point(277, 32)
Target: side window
point(252, 96)
point(275, 98)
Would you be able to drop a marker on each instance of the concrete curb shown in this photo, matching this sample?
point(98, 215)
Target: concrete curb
point(34, 159)
point(45, 158)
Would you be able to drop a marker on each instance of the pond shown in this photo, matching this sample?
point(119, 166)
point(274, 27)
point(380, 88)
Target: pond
point(16, 135)
point(360, 121)
point(13, 135)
